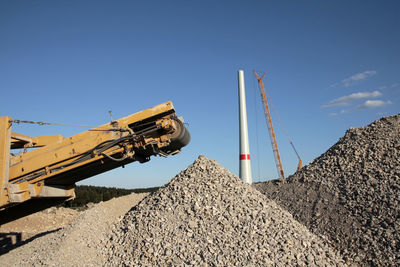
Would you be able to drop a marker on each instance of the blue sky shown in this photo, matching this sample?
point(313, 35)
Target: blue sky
point(329, 65)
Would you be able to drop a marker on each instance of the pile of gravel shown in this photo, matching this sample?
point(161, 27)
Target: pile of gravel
point(351, 194)
point(80, 243)
point(208, 216)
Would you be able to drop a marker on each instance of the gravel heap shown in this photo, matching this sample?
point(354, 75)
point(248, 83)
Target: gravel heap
point(81, 243)
point(351, 194)
point(208, 216)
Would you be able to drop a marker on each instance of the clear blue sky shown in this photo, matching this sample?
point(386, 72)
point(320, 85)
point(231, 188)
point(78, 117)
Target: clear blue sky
point(329, 65)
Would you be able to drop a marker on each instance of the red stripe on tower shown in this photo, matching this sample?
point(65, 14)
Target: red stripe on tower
point(245, 157)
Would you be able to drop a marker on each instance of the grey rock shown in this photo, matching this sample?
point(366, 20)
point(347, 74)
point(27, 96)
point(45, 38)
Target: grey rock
point(358, 180)
point(229, 224)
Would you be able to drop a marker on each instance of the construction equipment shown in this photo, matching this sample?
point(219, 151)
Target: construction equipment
point(37, 179)
point(297, 154)
point(271, 132)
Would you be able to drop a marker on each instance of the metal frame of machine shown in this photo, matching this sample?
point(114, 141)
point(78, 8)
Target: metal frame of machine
point(46, 176)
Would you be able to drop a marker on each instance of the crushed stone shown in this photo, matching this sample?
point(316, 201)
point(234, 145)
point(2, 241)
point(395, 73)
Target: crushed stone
point(351, 194)
point(79, 243)
point(208, 216)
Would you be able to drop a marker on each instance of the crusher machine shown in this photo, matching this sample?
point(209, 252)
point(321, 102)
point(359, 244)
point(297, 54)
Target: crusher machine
point(35, 179)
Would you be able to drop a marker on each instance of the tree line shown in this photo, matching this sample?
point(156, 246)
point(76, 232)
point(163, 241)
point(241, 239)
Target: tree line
point(95, 194)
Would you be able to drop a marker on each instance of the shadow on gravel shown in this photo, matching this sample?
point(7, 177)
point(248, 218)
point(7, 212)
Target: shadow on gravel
point(319, 209)
point(10, 241)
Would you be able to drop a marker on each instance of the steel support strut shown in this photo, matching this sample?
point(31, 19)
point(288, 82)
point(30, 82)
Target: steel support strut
point(5, 142)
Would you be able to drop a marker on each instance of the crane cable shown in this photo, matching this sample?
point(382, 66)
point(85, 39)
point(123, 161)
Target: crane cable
point(257, 139)
point(286, 132)
point(41, 123)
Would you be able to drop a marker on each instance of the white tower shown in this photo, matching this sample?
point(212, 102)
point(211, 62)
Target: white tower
point(245, 167)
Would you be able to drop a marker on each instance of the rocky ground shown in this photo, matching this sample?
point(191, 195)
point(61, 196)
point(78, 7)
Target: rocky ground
point(351, 194)
point(23, 230)
point(80, 243)
point(203, 216)
point(208, 216)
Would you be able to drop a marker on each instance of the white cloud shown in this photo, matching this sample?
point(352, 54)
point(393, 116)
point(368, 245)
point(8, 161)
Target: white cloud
point(335, 104)
point(346, 100)
point(333, 114)
point(358, 77)
point(395, 85)
point(374, 104)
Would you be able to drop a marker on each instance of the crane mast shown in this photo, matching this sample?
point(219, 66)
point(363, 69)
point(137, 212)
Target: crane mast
point(271, 132)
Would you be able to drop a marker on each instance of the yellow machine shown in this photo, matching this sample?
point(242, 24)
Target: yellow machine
point(37, 179)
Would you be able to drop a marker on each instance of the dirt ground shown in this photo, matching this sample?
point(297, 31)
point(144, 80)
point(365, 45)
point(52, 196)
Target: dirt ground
point(54, 230)
point(20, 231)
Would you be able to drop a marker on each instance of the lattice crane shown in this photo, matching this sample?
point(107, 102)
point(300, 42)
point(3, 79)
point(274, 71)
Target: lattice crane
point(271, 132)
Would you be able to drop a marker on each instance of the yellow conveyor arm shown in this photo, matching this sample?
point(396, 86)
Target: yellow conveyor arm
point(46, 175)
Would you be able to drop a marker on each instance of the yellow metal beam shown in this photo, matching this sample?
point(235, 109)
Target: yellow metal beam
point(52, 191)
point(18, 192)
point(5, 139)
point(39, 141)
point(77, 165)
point(23, 141)
point(20, 137)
